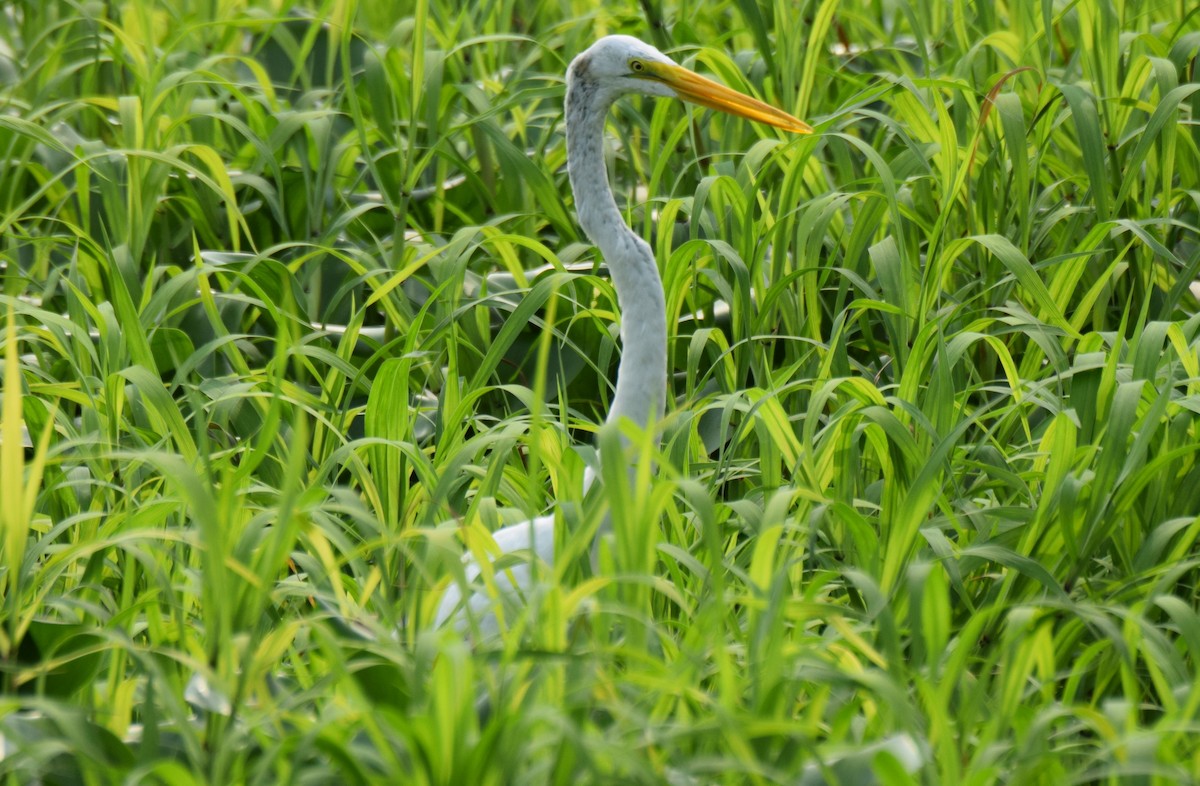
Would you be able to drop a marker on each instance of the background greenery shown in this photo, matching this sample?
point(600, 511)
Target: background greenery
point(287, 286)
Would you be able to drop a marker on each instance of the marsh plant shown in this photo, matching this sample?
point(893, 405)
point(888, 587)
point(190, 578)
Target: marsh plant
point(293, 306)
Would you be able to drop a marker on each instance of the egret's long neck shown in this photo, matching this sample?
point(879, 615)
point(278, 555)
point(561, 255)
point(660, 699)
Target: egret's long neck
point(642, 374)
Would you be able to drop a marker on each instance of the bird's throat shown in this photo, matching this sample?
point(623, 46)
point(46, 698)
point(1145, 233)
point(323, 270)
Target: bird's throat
point(642, 375)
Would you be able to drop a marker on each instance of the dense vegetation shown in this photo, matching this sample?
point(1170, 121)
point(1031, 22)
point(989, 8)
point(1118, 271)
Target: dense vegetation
point(294, 302)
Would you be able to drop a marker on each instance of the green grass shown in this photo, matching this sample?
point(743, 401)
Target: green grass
point(270, 318)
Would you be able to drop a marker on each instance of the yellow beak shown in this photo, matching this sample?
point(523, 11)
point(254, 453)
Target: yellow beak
point(690, 86)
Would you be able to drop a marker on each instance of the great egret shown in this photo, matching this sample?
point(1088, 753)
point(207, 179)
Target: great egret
point(612, 67)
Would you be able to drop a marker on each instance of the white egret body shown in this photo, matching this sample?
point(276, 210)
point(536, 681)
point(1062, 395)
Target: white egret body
point(612, 67)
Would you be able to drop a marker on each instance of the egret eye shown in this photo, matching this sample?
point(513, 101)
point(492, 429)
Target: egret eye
point(637, 66)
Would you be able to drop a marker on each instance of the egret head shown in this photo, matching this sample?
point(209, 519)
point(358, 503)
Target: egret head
point(619, 64)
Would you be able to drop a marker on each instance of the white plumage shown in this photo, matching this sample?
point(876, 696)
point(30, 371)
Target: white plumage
point(612, 67)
